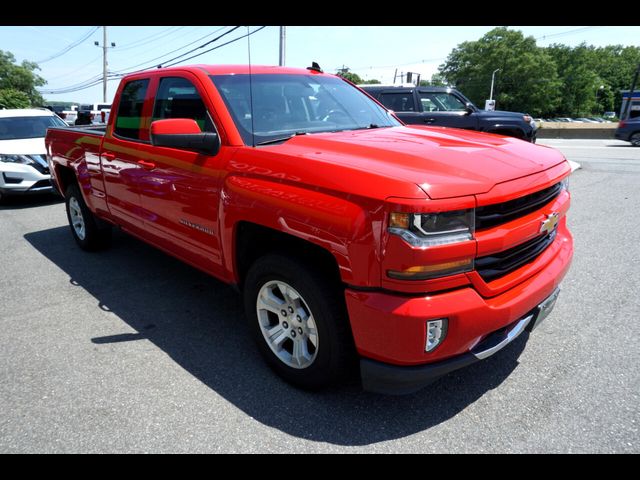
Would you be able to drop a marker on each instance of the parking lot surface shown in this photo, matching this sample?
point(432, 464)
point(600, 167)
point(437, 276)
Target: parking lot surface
point(129, 350)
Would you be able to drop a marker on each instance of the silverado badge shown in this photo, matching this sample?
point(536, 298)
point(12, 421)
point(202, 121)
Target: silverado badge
point(549, 224)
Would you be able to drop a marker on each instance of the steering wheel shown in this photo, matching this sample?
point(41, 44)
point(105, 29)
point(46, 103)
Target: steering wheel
point(339, 116)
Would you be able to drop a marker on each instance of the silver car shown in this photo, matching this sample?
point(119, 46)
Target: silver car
point(23, 163)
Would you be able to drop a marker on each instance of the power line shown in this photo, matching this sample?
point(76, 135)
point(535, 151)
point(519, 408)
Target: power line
point(169, 53)
point(149, 39)
point(568, 32)
point(116, 74)
point(219, 46)
point(198, 48)
point(96, 80)
point(70, 46)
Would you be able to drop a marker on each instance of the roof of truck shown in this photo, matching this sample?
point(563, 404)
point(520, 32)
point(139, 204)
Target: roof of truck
point(239, 69)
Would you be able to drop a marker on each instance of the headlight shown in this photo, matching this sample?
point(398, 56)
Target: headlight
point(431, 229)
point(424, 230)
point(564, 183)
point(21, 159)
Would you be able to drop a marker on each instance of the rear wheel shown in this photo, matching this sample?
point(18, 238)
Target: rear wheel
point(88, 231)
point(299, 321)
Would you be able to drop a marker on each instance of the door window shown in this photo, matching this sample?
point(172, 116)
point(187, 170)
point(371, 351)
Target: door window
point(398, 102)
point(178, 98)
point(441, 102)
point(129, 119)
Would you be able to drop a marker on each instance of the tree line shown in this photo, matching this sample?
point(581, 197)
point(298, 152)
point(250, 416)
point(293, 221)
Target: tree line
point(543, 81)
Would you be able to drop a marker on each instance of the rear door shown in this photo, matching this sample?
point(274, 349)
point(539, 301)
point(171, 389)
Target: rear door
point(403, 103)
point(123, 149)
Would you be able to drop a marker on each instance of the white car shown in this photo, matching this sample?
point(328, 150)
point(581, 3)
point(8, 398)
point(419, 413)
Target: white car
point(23, 163)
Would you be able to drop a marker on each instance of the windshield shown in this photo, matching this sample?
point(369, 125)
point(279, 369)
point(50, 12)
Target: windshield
point(13, 128)
point(286, 105)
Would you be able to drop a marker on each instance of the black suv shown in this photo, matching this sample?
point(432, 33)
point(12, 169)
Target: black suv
point(447, 107)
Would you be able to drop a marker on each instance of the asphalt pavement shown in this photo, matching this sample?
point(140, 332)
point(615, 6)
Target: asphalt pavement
point(129, 350)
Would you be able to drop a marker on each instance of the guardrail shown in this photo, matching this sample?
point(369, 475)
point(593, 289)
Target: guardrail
point(576, 130)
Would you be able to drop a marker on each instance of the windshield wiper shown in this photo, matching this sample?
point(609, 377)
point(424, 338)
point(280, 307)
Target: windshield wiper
point(281, 139)
point(370, 126)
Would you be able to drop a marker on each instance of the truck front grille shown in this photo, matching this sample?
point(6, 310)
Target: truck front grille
point(492, 215)
point(502, 263)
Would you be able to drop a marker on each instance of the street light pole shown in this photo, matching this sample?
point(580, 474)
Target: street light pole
point(492, 79)
point(283, 40)
point(601, 87)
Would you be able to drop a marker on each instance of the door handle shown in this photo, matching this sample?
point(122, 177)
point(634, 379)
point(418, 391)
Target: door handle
point(147, 165)
point(108, 156)
point(429, 120)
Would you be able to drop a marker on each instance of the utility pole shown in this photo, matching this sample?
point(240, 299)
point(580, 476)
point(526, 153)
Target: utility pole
point(283, 41)
point(104, 62)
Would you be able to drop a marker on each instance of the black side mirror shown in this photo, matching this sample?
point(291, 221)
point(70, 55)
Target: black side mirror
point(468, 108)
point(207, 143)
point(184, 134)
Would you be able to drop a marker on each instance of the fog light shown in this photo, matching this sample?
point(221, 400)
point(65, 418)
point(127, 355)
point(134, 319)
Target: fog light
point(436, 332)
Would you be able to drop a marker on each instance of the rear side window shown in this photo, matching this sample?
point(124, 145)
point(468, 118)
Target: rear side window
point(178, 98)
point(129, 119)
point(398, 102)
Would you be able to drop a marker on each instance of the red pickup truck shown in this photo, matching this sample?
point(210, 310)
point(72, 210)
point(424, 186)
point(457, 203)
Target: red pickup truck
point(356, 241)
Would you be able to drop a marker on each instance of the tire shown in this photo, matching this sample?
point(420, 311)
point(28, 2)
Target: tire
point(87, 230)
point(635, 139)
point(311, 344)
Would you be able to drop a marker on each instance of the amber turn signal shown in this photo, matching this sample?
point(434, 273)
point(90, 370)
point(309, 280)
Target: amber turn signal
point(423, 272)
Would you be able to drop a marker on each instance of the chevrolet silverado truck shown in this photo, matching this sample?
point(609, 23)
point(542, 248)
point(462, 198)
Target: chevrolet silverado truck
point(447, 107)
point(355, 240)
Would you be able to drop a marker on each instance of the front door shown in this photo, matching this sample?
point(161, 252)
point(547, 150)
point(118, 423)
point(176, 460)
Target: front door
point(444, 109)
point(180, 189)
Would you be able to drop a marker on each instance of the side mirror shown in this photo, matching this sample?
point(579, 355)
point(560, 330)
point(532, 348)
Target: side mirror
point(468, 108)
point(184, 134)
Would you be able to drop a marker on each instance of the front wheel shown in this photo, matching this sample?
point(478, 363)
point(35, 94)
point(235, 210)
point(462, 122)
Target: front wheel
point(635, 139)
point(88, 231)
point(299, 321)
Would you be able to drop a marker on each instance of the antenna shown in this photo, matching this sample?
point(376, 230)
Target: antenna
point(253, 135)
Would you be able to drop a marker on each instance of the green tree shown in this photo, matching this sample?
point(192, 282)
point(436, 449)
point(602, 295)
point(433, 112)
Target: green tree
point(12, 98)
point(527, 81)
point(373, 81)
point(436, 81)
point(352, 77)
point(21, 78)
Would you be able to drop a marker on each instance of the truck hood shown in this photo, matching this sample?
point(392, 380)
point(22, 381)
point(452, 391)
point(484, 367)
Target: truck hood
point(443, 162)
point(23, 146)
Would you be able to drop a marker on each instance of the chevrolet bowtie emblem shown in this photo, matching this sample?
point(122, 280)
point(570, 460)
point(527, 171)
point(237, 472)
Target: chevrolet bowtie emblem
point(549, 224)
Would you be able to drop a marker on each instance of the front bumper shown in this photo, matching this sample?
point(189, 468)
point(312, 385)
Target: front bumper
point(22, 179)
point(390, 329)
point(389, 379)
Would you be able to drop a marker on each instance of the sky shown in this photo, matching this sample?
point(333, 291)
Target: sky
point(371, 52)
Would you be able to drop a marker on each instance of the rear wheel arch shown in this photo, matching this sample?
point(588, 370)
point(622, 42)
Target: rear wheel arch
point(66, 177)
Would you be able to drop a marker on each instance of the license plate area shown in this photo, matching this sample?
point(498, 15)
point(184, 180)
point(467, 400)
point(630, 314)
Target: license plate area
point(543, 310)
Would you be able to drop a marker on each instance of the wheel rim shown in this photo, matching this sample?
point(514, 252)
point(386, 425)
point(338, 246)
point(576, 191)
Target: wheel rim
point(77, 220)
point(287, 324)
